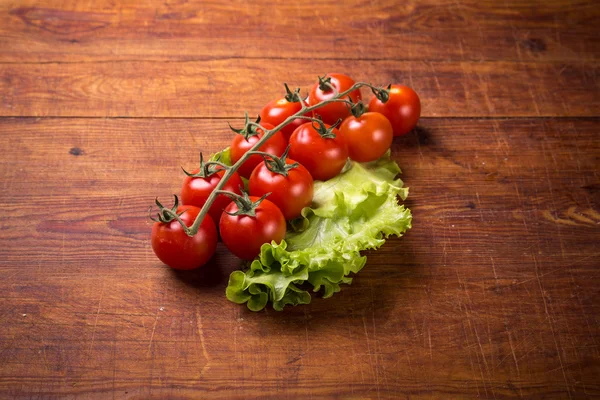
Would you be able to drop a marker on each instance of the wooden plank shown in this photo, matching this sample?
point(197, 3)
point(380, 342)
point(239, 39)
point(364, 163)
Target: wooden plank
point(458, 30)
point(147, 89)
point(493, 293)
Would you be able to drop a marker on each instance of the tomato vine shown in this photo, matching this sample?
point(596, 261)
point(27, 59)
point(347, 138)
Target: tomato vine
point(250, 126)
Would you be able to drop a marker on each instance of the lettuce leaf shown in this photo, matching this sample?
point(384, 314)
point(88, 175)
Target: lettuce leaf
point(223, 156)
point(355, 211)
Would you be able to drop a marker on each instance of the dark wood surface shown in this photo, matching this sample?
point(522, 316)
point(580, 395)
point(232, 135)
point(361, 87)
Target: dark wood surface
point(494, 293)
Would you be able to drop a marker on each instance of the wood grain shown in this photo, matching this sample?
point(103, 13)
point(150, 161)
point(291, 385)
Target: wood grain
point(449, 30)
point(492, 294)
point(226, 88)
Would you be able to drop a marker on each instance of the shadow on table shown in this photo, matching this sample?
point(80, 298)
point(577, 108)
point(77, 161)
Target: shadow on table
point(381, 288)
point(420, 136)
point(213, 274)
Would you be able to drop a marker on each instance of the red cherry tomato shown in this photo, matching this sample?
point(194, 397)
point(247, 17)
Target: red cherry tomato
point(277, 111)
point(239, 146)
point(196, 190)
point(290, 193)
point(243, 235)
point(180, 251)
point(403, 108)
point(368, 136)
point(324, 158)
point(331, 112)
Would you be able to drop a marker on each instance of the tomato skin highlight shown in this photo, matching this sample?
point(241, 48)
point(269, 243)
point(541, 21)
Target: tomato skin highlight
point(244, 235)
point(331, 112)
point(276, 111)
point(239, 146)
point(403, 108)
point(368, 136)
point(195, 191)
point(290, 193)
point(324, 158)
point(178, 250)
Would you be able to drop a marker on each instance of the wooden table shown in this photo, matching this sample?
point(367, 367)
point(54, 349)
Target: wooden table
point(494, 293)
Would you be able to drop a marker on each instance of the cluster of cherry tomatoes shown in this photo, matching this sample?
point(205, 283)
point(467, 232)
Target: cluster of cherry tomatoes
point(280, 174)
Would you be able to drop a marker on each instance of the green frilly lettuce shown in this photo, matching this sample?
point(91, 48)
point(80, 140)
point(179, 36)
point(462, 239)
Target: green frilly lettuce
point(352, 212)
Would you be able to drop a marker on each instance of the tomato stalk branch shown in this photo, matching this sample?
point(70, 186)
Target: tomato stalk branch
point(220, 164)
point(338, 97)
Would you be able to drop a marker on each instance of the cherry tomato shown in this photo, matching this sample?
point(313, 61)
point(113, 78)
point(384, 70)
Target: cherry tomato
point(323, 157)
point(403, 108)
point(243, 235)
point(290, 193)
point(196, 190)
point(277, 111)
point(331, 112)
point(180, 251)
point(368, 136)
point(239, 146)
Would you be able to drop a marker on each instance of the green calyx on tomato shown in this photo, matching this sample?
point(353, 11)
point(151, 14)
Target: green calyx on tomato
point(244, 203)
point(166, 215)
point(357, 109)
point(249, 129)
point(277, 165)
point(324, 131)
point(292, 97)
point(325, 84)
point(206, 169)
point(382, 94)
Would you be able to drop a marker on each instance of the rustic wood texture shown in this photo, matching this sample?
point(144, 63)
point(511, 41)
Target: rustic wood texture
point(217, 89)
point(494, 293)
point(68, 31)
